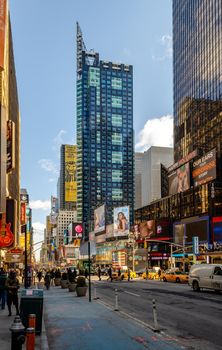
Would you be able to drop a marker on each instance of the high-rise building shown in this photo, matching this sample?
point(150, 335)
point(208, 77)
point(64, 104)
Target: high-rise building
point(197, 68)
point(9, 129)
point(105, 160)
point(148, 171)
point(67, 180)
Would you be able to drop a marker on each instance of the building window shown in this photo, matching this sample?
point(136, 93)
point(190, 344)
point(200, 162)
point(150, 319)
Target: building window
point(117, 139)
point(117, 83)
point(116, 101)
point(117, 175)
point(117, 120)
point(117, 157)
point(117, 194)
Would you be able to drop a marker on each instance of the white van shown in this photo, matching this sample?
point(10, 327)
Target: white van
point(206, 276)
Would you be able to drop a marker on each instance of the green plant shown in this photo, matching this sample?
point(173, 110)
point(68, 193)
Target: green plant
point(81, 281)
point(64, 276)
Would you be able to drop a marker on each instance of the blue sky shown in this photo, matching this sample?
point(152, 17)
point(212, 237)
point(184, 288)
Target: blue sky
point(128, 31)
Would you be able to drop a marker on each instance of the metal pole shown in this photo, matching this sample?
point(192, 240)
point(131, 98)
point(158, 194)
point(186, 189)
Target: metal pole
point(89, 263)
point(171, 256)
point(95, 296)
point(116, 301)
point(26, 260)
point(156, 326)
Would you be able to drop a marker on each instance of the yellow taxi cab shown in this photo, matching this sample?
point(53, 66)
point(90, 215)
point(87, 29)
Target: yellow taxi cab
point(124, 274)
point(152, 275)
point(175, 276)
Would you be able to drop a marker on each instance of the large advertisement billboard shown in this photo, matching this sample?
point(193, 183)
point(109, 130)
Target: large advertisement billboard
point(147, 229)
point(204, 168)
point(99, 219)
point(70, 173)
point(121, 221)
point(179, 180)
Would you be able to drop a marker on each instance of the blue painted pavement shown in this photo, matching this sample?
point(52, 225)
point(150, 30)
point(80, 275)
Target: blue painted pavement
point(73, 323)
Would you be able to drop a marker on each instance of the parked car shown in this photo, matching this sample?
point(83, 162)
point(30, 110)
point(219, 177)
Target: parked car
point(206, 276)
point(175, 276)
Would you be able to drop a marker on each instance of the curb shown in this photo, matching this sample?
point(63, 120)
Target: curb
point(43, 340)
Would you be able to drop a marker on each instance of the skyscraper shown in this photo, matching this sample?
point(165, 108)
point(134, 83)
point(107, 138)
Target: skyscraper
point(105, 160)
point(197, 67)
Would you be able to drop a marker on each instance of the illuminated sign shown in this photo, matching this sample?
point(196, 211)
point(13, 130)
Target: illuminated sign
point(70, 173)
point(204, 168)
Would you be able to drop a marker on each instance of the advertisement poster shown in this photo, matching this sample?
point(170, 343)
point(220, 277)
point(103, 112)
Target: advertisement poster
point(204, 168)
point(147, 229)
point(70, 173)
point(121, 221)
point(179, 180)
point(99, 219)
point(23, 213)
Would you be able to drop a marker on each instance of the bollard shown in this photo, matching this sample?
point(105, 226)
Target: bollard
point(18, 334)
point(31, 320)
point(156, 326)
point(30, 338)
point(95, 296)
point(116, 301)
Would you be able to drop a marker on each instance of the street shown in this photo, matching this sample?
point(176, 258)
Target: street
point(193, 318)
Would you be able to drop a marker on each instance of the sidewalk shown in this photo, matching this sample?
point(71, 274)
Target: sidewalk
point(74, 323)
point(5, 334)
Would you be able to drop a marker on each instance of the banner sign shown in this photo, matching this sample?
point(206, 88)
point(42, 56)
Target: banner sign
point(121, 221)
point(10, 146)
point(204, 168)
point(99, 219)
point(70, 173)
point(22, 213)
point(196, 245)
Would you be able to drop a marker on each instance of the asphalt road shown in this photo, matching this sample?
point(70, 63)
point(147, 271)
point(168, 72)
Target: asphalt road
point(193, 318)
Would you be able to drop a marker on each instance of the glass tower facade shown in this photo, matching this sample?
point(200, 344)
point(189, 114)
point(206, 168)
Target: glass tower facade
point(105, 160)
point(197, 66)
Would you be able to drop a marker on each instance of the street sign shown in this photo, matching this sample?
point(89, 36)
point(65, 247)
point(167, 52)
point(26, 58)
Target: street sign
point(196, 245)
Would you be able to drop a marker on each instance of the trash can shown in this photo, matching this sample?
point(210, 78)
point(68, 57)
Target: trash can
point(32, 303)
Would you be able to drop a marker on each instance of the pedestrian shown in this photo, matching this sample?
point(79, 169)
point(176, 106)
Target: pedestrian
point(52, 276)
point(99, 273)
point(110, 274)
point(159, 273)
point(147, 273)
point(47, 280)
point(119, 274)
point(128, 273)
point(39, 275)
point(12, 287)
point(74, 273)
point(86, 273)
point(3, 278)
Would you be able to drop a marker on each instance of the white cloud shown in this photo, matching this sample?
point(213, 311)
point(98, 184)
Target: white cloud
point(39, 204)
point(52, 180)
point(156, 132)
point(165, 50)
point(48, 165)
point(58, 140)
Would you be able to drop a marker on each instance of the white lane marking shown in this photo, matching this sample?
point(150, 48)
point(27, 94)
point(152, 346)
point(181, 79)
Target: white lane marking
point(136, 295)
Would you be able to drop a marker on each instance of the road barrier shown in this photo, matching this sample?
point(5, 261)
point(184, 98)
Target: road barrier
point(156, 326)
point(30, 338)
point(116, 301)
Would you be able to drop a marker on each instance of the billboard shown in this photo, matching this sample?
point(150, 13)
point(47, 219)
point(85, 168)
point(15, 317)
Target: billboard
point(75, 231)
point(147, 229)
point(3, 6)
point(99, 219)
point(204, 168)
point(70, 173)
point(23, 213)
point(6, 236)
point(179, 180)
point(121, 221)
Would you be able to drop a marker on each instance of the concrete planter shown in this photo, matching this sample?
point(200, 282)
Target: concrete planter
point(57, 282)
point(72, 287)
point(81, 291)
point(64, 284)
